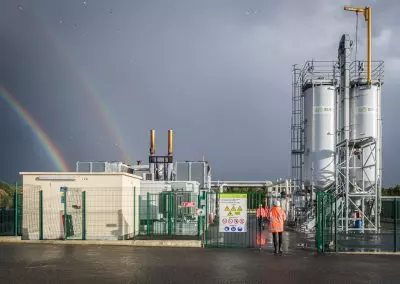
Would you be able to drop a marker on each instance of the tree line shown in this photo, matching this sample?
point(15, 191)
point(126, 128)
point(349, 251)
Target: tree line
point(7, 193)
point(391, 191)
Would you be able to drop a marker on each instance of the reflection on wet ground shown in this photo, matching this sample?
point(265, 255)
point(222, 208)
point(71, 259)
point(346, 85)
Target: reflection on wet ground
point(30, 263)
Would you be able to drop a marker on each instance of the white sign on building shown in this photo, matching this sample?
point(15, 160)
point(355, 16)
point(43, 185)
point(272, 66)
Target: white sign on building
point(233, 212)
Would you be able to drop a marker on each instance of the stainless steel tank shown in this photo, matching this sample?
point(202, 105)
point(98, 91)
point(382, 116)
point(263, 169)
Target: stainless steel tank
point(365, 121)
point(320, 131)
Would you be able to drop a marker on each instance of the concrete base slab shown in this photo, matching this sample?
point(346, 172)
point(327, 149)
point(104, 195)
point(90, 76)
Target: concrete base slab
point(134, 243)
point(10, 239)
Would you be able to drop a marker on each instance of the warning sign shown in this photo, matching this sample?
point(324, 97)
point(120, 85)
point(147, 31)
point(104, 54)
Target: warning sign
point(233, 213)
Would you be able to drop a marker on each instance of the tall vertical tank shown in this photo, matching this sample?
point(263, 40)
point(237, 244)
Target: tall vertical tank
point(320, 129)
point(365, 121)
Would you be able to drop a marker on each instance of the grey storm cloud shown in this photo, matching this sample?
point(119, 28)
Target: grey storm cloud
point(217, 72)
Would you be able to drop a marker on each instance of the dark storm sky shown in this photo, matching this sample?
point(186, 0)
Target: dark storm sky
point(217, 72)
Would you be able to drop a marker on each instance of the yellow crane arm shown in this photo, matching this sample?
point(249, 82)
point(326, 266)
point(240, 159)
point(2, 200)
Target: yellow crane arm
point(368, 18)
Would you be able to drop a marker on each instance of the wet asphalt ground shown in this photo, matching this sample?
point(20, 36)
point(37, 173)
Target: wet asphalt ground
point(32, 263)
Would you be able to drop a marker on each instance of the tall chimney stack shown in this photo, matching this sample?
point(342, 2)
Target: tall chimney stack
point(152, 142)
point(170, 142)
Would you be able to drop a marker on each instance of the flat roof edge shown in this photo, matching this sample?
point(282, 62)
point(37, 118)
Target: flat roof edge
point(81, 173)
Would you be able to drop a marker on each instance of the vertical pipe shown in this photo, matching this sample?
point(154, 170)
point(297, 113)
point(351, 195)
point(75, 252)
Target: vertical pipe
point(368, 14)
point(377, 215)
point(152, 152)
point(16, 210)
point(152, 142)
point(170, 142)
point(170, 152)
point(84, 215)
point(323, 224)
point(134, 212)
point(395, 224)
point(347, 186)
point(41, 215)
point(331, 217)
point(318, 213)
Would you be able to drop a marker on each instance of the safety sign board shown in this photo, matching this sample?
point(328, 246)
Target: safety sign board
point(233, 212)
point(188, 204)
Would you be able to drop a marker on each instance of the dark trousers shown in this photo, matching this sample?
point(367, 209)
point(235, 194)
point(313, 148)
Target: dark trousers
point(260, 221)
point(275, 238)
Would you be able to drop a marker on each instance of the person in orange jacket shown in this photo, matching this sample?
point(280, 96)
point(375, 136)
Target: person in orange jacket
point(261, 215)
point(277, 216)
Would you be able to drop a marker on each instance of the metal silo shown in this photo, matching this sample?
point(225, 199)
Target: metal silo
point(319, 129)
point(365, 122)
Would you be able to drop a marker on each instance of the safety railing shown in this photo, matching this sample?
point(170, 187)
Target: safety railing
point(359, 71)
point(314, 71)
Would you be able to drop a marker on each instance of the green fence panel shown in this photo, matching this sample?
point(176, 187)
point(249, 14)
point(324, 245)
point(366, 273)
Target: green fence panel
point(168, 215)
point(11, 213)
point(219, 231)
point(326, 222)
point(329, 236)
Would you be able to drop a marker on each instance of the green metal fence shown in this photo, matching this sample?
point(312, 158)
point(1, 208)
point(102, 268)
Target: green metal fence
point(329, 237)
point(219, 233)
point(111, 214)
point(326, 229)
point(169, 215)
point(11, 214)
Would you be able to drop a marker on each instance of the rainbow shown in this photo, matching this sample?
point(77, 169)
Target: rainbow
point(51, 149)
point(101, 109)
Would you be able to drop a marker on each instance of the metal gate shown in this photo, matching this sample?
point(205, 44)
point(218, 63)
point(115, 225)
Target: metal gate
point(73, 217)
point(223, 208)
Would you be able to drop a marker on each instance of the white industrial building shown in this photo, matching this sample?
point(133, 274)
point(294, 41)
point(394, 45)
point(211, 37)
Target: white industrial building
point(109, 204)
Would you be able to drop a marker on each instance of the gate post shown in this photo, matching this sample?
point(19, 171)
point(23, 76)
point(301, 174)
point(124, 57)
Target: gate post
point(198, 217)
point(148, 214)
point(41, 215)
point(318, 240)
point(206, 221)
point(16, 210)
point(336, 243)
point(84, 215)
point(170, 207)
point(134, 212)
point(395, 224)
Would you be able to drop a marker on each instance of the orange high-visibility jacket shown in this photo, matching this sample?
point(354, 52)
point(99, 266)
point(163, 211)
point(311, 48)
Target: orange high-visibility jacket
point(276, 216)
point(261, 238)
point(261, 212)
